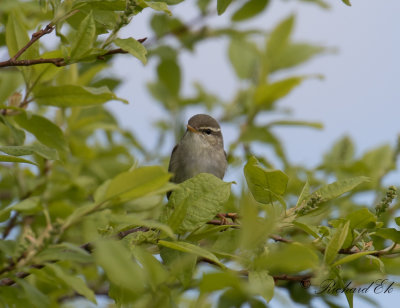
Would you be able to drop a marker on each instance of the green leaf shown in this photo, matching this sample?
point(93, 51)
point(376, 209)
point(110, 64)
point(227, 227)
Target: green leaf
point(169, 74)
point(159, 6)
point(132, 46)
point(193, 249)
point(181, 265)
point(341, 154)
point(336, 243)
point(266, 94)
point(222, 5)
point(347, 2)
point(9, 83)
point(17, 134)
point(112, 5)
point(47, 72)
point(262, 284)
point(397, 220)
point(255, 230)
point(85, 78)
point(74, 282)
point(289, 258)
point(244, 58)
point(389, 233)
point(74, 96)
point(17, 37)
point(84, 39)
point(279, 39)
point(263, 134)
point(352, 257)
point(8, 247)
point(117, 263)
point(155, 271)
point(250, 9)
point(265, 185)
point(38, 149)
point(320, 3)
point(14, 159)
point(341, 285)
point(316, 125)
point(379, 161)
point(305, 193)
point(295, 54)
point(63, 251)
point(195, 202)
point(203, 5)
point(78, 213)
point(36, 298)
point(44, 130)
point(28, 206)
point(217, 281)
point(136, 183)
point(312, 230)
point(378, 263)
point(127, 221)
point(361, 219)
point(340, 187)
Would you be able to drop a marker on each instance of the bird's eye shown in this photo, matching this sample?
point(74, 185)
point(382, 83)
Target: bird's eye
point(207, 131)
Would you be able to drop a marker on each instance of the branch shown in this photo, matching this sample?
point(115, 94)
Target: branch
point(35, 36)
point(10, 225)
point(13, 61)
point(304, 279)
point(59, 61)
point(278, 238)
point(122, 234)
point(301, 278)
point(218, 222)
point(56, 61)
point(20, 275)
point(63, 61)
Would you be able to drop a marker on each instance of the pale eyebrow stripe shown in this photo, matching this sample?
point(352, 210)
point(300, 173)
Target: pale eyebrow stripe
point(210, 128)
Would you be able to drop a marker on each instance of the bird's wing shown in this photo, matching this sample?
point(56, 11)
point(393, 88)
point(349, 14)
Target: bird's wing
point(170, 167)
point(170, 161)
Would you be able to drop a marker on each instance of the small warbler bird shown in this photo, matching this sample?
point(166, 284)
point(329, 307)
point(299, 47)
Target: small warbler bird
point(201, 150)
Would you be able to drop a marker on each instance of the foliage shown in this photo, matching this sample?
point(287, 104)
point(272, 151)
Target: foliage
point(80, 217)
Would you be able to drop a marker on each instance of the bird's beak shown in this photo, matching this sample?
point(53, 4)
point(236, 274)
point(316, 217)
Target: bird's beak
point(192, 129)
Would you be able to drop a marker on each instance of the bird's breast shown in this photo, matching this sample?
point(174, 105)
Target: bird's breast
point(200, 157)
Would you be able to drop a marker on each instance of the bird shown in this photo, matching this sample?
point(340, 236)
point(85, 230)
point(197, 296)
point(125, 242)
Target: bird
point(200, 150)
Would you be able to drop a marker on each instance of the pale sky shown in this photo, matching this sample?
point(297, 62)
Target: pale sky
point(360, 95)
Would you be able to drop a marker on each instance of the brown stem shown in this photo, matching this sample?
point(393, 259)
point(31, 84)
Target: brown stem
point(278, 238)
point(55, 61)
point(122, 234)
point(10, 225)
point(304, 279)
point(58, 61)
point(35, 36)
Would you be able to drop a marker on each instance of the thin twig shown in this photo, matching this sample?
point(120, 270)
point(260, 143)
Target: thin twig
point(59, 61)
point(122, 234)
point(304, 279)
point(35, 36)
point(56, 61)
point(10, 225)
point(219, 222)
point(278, 238)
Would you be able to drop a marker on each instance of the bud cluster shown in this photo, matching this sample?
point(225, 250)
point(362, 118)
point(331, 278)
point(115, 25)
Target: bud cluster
point(386, 201)
point(312, 204)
